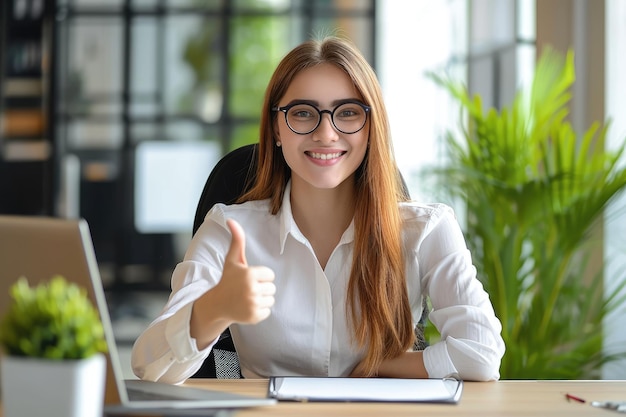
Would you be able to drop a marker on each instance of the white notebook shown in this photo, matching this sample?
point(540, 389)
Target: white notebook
point(291, 388)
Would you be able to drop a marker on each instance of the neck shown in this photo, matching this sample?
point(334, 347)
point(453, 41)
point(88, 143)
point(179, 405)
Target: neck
point(322, 215)
point(327, 206)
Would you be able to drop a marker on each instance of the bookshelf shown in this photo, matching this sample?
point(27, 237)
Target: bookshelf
point(26, 143)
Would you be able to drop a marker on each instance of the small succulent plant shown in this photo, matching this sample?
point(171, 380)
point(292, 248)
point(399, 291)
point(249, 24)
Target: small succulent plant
point(53, 320)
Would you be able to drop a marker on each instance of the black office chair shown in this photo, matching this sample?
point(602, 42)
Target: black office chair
point(232, 176)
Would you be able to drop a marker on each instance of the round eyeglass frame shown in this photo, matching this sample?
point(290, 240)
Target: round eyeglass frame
point(285, 109)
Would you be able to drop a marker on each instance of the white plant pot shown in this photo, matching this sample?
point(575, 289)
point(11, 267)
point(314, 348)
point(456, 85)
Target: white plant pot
point(42, 387)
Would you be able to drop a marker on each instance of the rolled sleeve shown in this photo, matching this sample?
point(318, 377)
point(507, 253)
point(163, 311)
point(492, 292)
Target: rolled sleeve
point(165, 351)
point(471, 345)
point(437, 361)
point(180, 359)
point(178, 335)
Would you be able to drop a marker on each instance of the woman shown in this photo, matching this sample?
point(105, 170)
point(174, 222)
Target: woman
point(322, 268)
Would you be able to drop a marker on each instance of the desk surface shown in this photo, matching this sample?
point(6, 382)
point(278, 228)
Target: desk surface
point(484, 399)
point(503, 398)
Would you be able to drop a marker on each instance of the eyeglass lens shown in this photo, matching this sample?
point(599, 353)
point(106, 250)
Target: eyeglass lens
point(347, 118)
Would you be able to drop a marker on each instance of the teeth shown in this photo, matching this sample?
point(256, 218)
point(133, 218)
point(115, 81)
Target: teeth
point(324, 156)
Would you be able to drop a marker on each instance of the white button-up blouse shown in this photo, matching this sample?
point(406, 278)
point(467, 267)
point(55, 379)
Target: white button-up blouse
point(308, 331)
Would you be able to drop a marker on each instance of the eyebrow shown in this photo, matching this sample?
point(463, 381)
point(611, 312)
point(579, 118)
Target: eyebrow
point(316, 103)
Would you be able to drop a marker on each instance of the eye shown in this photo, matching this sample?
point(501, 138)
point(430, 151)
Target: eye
point(349, 111)
point(303, 111)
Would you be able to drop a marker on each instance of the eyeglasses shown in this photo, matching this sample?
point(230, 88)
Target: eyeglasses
point(303, 118)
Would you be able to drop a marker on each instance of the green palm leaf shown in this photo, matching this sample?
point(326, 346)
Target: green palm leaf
point(535, 191)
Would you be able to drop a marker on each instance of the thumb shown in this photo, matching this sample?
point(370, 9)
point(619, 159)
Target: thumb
point(237, 251)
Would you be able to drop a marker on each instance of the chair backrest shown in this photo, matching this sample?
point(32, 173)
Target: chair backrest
point(233, 175)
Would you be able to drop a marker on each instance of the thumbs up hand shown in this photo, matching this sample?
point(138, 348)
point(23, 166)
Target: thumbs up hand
point(247, 292)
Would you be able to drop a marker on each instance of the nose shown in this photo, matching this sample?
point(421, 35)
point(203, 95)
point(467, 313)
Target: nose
point(326, 131)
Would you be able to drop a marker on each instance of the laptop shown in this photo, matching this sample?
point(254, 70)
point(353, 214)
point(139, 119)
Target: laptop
point(40, 247)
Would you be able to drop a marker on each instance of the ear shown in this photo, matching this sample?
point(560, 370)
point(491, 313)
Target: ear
point(275, 130)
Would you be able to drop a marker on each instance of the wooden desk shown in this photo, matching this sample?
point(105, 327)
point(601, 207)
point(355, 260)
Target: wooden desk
point(503, 398)
point(484, 399)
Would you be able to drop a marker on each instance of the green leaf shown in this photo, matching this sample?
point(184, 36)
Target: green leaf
point(535, 191)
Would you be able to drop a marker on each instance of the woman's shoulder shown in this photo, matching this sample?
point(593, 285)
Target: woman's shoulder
point(250, 215)
point(424, 218)
point(424, 212)
point(250, 210)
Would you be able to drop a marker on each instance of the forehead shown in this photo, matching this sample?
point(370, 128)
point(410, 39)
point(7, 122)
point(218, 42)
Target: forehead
point(323, 83)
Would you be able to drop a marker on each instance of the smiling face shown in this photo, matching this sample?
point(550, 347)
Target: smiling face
point(324, 158)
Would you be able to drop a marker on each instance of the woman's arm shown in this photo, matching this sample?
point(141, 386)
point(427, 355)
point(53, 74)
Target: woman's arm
point(471, 346)
point(407, 365)
point(165, 351)
point(200, 307)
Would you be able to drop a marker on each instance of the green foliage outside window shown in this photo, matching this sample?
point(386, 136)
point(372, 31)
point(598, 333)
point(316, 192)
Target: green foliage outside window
point(256, 44)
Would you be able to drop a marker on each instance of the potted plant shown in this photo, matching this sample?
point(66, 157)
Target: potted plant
point(53, 343)
point(535, 192)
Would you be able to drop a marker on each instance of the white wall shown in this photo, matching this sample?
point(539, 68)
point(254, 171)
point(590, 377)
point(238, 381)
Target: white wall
point(615, 227)
point(415, 37)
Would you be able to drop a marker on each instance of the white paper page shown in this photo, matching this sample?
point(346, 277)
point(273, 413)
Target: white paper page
point(365, 389)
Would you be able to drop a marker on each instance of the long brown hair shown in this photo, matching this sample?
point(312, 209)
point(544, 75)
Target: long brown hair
point(378, 305)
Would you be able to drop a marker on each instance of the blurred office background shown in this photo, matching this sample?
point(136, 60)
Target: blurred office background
point(116, 110)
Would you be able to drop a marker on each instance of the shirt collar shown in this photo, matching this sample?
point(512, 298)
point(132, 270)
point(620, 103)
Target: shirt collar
point(288, 224)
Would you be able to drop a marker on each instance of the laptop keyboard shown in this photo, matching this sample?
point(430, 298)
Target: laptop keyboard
point(140, 395)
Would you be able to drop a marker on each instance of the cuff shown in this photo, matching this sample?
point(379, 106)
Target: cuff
point(178, 336)
point(437, 361)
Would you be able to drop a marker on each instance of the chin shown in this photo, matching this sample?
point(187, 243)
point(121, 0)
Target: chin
point(328, 185)
point(320, 182)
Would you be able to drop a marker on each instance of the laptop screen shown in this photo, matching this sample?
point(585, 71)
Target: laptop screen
point(38, 248)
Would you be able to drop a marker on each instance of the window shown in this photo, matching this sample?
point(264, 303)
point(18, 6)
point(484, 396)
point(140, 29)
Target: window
point(176, 71)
